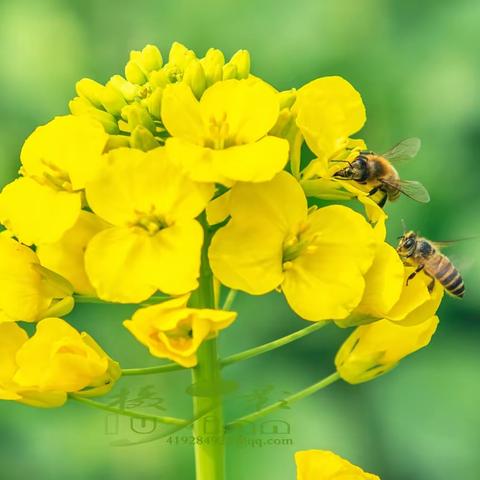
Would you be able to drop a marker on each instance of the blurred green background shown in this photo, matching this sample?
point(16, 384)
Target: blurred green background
point(417, 67)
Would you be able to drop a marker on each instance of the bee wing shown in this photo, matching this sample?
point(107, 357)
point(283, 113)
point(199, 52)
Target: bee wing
point(449, 243)
point(412, 189)
point(405, 150)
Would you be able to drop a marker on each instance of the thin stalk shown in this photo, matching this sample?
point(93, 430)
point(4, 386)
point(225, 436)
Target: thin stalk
point(266, 347)
point(252, 417)
point(209, 449)
point(168, 367)
point(227, 304)
point(129, 413)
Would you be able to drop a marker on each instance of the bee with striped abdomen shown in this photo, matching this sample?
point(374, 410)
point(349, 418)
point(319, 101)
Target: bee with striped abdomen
point(368, 168)
point(425, 255)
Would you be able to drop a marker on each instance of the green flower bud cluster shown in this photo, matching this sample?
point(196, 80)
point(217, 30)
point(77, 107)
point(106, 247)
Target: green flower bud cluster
point(129, 107)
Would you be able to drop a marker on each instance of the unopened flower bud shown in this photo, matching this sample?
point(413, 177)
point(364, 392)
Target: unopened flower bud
point(180, 55)
point(117, 141)
point(112, 100)
point(229, 71)
point(154, 103)
point(126, 88)
point(241, 60)
point(149, 59)
point(287, 98)
point(212, 64)
point(142, 139)
point(138, 115)
point(194, 76)
point(134, 74)
point(90, 90)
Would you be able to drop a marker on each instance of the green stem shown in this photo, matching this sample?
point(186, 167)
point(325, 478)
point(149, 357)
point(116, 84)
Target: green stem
point(168, 367)
point(129, 413)
point(227, 304)
point(252, 417)
point(206, 379)
point(253, 352)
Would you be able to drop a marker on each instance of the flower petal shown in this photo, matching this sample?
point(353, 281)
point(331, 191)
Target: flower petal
point(255, 162)
point(69, 144)
point(247, 257)
point(249, 108)
point(133, 183)
point(36, 213)
point(181, 114)
point(128, 265)
point(329, 110)
point(262, 217)
point(384, 284)
point(329, 283)
point(66, 257)
point(373, 349)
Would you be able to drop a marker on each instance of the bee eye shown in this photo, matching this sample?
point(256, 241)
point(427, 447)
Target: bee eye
point(409, 243)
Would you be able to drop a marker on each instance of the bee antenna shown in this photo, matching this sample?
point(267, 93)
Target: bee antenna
point(404, 226)
point(342, 161)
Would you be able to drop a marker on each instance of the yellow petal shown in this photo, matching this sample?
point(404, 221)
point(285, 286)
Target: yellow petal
point(181, 114)
point(171, 330)
point(262, 217)
point(218, 209)
point(384, 284)
point(373, 349)
point(196, 161)
point(56, 358)
point(21, 293)
point(249, 108)
point(66, 257)
point(255, 162)
point(328, 283)
point(128, 265)
point(325, 465)
point(279, 202)
point(416, 302)
point(135, 184)
point(247, 257)
point(69, 144)
point(12, 337)
point(329, 110)
point(36, 213)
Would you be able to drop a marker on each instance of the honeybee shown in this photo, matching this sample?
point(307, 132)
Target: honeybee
point(425, 255)
point(378, 171)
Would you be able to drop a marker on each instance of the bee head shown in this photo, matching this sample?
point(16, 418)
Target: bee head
point(407, 243)
point(357, 170)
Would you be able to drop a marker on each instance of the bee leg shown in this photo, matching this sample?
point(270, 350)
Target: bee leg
point(417, 270)
point(373, 191)
point(383, 201)
point(431, 285)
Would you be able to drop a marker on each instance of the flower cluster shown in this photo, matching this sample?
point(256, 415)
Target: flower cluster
point(192, 162)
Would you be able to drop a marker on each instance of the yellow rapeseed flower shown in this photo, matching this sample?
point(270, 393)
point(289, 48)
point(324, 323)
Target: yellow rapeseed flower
point(29, 292)
point(154, 242)
point(224, 136)
point(56, 360)
point(374, 349)
point(388, 296)
point(329, 110)
point(173, 330)
point(67, 256)
point(57, 159)
point(325, 465)
point(318, 258)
